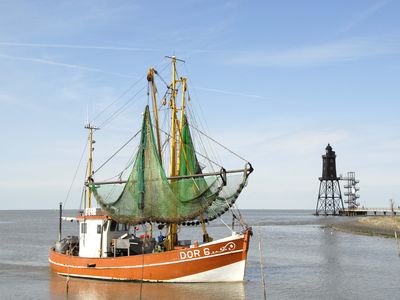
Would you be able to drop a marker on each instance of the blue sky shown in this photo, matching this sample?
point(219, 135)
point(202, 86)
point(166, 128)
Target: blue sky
point(275, 80)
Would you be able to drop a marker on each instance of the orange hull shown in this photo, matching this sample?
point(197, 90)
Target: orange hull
point(221, 260)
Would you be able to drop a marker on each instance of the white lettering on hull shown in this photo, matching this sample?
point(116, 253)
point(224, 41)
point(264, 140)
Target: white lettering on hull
point(188, 254)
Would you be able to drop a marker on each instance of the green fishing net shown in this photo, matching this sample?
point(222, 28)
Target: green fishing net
point(149, 196)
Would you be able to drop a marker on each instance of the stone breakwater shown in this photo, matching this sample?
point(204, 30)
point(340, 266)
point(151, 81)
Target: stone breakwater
point(380, 225)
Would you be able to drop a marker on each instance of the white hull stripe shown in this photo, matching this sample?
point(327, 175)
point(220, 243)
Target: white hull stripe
point(231, 272)
point(147, 265)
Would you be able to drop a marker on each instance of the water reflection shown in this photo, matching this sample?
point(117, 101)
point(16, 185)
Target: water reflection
point(300, 262)
point(95, 289)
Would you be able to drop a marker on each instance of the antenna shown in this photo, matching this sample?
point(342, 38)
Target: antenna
point(90, 167)
point(91, 126)
point(174, 57)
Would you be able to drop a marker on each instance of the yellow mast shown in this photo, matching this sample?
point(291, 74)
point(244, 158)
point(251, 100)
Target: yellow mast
point(183, 81)
point(150, 78)
point(176, 129)
point(172, 237)
point(172, 166)
point(90, 165)
point(206, 237)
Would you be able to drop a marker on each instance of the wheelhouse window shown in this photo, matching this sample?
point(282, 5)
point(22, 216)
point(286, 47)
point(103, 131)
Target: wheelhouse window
point(113, 225)
point(99, 228)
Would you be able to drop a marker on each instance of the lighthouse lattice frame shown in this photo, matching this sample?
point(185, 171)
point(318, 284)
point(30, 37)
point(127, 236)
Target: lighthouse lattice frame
point(330, 201)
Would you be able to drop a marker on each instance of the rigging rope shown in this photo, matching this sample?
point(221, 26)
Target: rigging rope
point(83, 195)
point(131, 160)
point(202, 121)
point(121, 109)
point(126, 91)
point(162, 79)
point(193, 117)
point(241, 220)
point(218, 143)
point(222, 221)
point(116, 100)
point(205, 157)
point(76, 172)
point(112, 156)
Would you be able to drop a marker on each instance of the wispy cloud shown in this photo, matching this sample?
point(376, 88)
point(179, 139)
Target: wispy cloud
point(365, 14)
point(344, 50)
point(106, 48)
point(59, 64)
point(186, 52)
point(36, 45)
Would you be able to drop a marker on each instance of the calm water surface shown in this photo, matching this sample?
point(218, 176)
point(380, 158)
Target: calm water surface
point(301, 261)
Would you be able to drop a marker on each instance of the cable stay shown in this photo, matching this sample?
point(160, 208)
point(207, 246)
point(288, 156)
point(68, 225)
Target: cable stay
point(116, 152)
point(76, 173)
point(198, 153)
point(118, 98)
point(119, 110)
point(219, 144)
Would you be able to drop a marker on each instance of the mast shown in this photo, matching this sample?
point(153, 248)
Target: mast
point(150, 78)
point(172, 166)
point(176, 129)
point(176, 124)
point(60, 223)
point(90, 164)
point(173, 236)
point(171, 196)
point(183, 81)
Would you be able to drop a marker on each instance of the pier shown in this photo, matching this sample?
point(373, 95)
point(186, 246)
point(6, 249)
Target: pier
point(369, 212)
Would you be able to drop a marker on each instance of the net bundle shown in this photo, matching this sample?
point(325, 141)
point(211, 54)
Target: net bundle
point(149, 196)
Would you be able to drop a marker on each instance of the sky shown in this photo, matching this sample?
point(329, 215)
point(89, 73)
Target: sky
point(275, 81)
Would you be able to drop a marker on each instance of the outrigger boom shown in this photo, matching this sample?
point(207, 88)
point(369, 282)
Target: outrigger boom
point(222, 173)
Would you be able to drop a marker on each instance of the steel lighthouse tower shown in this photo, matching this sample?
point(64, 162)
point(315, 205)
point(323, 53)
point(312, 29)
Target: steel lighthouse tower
point(330, 200)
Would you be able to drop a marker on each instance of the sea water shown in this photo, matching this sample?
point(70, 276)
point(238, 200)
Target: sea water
point(301, 260)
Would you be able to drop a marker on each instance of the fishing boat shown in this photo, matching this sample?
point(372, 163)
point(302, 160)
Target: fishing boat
point(171, 185)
